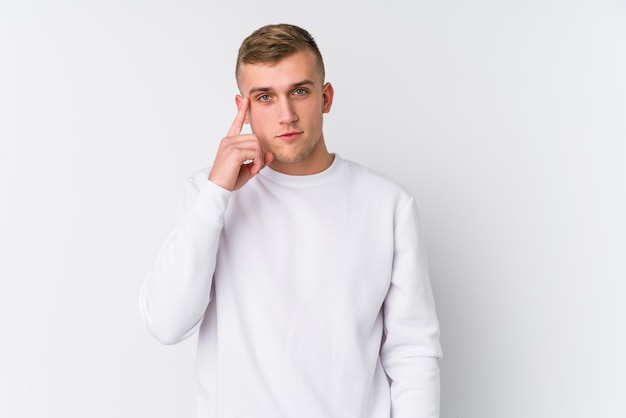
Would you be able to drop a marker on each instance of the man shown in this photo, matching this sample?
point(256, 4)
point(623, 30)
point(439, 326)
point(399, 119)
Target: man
point(304, 273)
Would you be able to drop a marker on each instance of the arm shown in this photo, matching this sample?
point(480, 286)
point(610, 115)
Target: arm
point(177, 291)
point(411, 349)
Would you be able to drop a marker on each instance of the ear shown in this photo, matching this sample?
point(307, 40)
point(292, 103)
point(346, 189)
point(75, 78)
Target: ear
point(327, 94)
point(239, 102)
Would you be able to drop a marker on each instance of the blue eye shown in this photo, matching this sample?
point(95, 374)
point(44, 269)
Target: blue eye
point(299, 92)
point(264, 98)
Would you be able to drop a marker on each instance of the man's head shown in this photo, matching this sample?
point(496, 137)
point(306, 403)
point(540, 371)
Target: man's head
point(280, 76)
point(272, 43)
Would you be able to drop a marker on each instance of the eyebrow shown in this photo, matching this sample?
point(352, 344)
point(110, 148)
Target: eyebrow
point(293, 86)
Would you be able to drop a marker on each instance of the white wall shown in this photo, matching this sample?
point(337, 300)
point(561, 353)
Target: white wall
point(506, 119)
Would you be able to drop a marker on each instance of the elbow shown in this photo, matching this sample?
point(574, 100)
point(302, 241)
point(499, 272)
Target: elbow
point(168, 331)
point(166, 324)
point(164, 335)
point(165, 330)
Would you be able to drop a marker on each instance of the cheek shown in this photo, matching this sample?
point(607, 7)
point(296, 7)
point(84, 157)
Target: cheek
point(259, 114)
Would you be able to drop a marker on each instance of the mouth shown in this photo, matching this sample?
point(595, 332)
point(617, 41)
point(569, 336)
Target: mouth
point(289, 136)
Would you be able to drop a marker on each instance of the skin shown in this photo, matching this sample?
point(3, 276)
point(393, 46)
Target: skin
point(284, 104)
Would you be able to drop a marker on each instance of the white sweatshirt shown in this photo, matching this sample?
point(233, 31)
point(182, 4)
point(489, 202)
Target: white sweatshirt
point(310, 293)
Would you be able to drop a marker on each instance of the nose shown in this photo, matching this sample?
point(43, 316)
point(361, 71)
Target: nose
point(287, 113)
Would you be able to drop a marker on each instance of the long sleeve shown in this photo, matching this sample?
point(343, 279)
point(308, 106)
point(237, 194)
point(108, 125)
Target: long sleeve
point(411, 348)
point(176, 292)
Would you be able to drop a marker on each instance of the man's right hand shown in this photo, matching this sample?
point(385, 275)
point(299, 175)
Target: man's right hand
point(229, 170)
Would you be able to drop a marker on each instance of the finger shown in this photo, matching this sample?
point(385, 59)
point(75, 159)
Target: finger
point(237, 125)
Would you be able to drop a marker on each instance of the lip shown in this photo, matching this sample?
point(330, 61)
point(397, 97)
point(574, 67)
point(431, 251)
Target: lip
point(289, 136)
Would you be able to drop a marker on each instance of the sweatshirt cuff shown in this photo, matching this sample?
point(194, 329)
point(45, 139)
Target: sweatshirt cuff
point(211, 203)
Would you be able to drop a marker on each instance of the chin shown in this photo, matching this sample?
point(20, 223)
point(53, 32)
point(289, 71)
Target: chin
point(291, 158)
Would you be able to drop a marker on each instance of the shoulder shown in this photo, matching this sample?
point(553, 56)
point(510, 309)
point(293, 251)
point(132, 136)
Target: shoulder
point(375, 182)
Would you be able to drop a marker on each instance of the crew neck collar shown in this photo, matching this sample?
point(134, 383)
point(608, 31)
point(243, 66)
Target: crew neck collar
point(306, 180)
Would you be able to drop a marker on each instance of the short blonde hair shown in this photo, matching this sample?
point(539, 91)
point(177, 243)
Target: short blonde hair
point(272, 43)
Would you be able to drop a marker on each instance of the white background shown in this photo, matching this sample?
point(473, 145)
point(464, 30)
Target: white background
point(507, 119)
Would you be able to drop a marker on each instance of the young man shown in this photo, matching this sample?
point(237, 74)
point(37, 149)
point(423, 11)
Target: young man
point(304, 273)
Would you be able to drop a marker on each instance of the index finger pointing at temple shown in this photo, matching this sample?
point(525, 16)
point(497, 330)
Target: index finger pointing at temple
point(237, 126)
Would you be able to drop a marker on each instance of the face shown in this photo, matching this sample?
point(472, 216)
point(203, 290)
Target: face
point(287, 103)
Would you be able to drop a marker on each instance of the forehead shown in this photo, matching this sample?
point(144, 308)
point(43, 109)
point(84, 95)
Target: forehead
point(291, 70)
